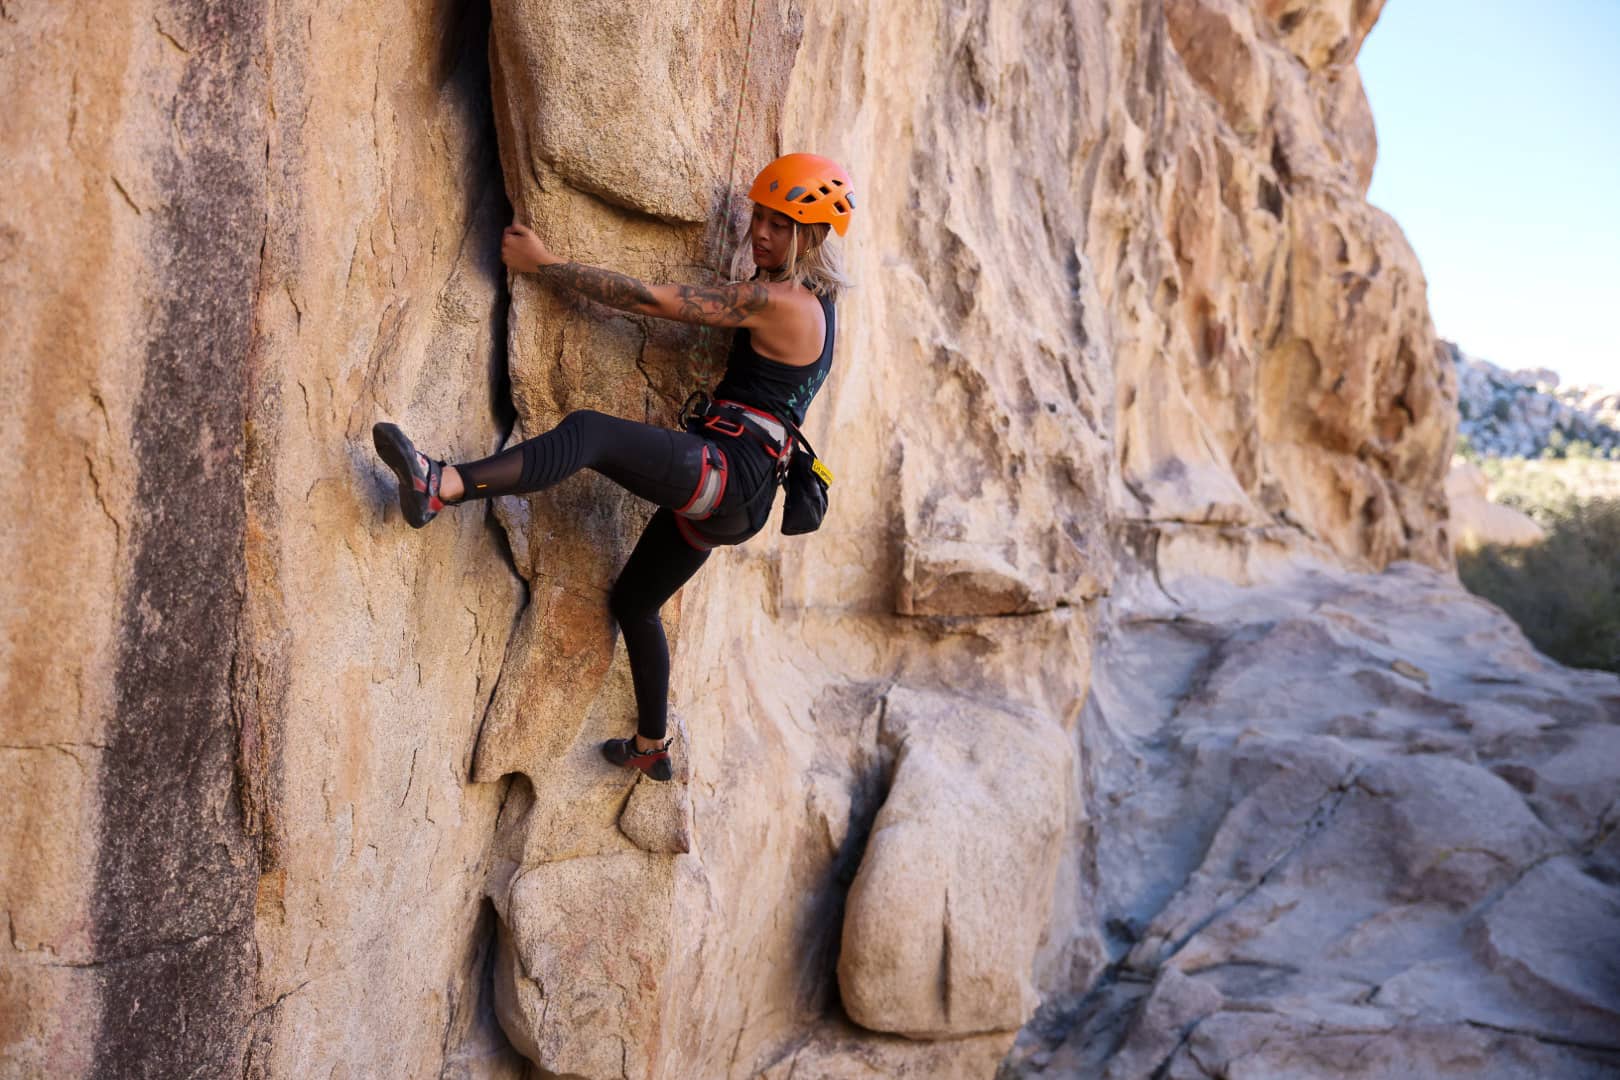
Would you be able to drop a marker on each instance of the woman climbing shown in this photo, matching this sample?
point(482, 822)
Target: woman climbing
point(713, 482)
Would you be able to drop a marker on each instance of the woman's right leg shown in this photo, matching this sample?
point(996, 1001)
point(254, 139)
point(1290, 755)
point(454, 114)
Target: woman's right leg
point(660, 465)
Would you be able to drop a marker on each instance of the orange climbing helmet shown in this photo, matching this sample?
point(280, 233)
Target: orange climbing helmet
point(807, 188)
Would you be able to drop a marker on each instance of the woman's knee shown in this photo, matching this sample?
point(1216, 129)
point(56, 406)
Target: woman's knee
point(581, 418)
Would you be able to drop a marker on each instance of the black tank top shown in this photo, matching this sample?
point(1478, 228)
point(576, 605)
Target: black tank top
point(781, 389)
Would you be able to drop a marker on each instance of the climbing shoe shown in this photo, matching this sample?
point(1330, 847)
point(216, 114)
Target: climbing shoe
point(655, 763)
point(418, 474)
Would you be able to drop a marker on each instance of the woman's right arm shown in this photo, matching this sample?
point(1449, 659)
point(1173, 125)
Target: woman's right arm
point(742, 303)
point(738, 304)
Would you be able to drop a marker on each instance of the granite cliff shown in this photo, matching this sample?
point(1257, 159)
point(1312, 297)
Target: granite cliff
point(1128, 675)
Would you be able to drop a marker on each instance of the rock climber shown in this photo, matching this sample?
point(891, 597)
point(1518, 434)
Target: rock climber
point(713, 482)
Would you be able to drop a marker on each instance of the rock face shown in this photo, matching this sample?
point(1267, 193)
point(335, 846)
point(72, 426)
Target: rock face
point(298, 791)
point(1359, 829)
point(239, 694)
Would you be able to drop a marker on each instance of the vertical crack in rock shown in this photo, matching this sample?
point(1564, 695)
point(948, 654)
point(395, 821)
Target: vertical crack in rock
point(259, 667)
point(504, 409)
point(473, 1038)
point(464, 68)
point(945, 958)
point(176, 870)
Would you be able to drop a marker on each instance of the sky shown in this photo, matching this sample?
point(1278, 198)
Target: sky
point(1499, 155)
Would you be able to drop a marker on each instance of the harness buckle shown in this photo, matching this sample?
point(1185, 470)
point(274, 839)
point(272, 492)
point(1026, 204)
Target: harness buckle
point(733, 419)
point(694, 409)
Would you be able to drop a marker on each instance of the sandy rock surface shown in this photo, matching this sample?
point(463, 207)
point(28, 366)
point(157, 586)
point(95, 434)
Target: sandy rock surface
point(837, 1051)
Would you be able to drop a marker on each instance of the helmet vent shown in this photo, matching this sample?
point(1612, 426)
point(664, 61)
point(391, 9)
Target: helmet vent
point(795, 193)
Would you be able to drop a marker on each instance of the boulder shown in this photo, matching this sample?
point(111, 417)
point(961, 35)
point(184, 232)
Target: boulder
point(1476, 521)
point(945, 915)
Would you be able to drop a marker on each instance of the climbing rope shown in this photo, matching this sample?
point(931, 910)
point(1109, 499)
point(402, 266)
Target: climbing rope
point(723, 271)
point(736, 127)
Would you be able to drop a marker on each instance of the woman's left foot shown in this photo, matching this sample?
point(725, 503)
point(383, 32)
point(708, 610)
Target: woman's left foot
point(655, 762)
point(418, 474)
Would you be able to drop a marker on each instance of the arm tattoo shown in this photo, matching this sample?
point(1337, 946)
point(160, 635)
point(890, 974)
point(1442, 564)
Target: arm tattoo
point(605, 286)
point(725, 305)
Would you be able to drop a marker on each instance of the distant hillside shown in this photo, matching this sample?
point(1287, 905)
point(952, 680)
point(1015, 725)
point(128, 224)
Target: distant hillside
point(1527, 414)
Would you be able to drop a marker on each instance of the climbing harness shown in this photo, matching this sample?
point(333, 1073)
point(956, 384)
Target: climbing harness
point(702, 413)
point(703, 416)
point(711, 485)
point(798, 470)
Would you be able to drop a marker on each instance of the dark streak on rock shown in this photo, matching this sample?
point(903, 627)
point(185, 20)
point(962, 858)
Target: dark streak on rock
point(176, 873)
point(945, 958)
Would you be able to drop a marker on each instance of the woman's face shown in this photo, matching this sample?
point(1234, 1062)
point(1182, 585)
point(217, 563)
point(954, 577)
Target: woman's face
point(770, 232)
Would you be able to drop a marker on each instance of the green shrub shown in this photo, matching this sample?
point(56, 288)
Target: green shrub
point(1581, 450)
point(1565, 591)
point(1541, 493)
point(1560, 447)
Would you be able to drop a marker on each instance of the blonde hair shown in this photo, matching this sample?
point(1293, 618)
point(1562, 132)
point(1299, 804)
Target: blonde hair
point(820, 268)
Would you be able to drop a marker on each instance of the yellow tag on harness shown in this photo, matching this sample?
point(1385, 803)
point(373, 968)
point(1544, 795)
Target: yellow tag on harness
point(821, 470)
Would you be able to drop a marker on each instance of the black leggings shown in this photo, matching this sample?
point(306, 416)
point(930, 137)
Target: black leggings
point(657, 464)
